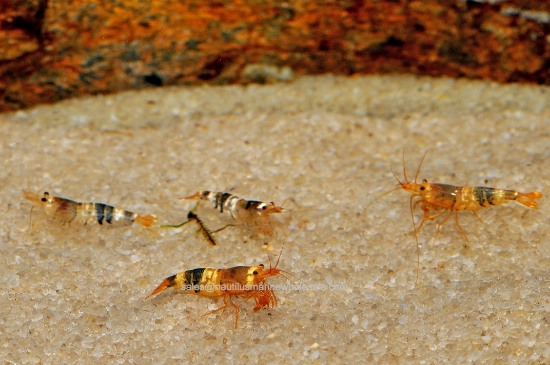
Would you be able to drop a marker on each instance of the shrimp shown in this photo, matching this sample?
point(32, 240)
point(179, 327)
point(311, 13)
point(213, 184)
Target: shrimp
point(252, 215)
point(239, 281)
point(441, 198)
point(66, 211)
point(437, 200)
point(192, 216)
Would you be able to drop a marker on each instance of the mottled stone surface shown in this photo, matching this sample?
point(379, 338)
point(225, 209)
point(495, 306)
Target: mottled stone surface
point(50, 50)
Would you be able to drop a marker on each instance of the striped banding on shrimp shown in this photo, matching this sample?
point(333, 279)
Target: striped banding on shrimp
point(241, 281)
point(252, 215)
point(67, 211)
point(235, 205)
point(471, 198)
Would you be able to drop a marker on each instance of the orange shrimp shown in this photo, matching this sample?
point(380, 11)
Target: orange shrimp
point(442, 198)
point(239, 281)
point(66, 211)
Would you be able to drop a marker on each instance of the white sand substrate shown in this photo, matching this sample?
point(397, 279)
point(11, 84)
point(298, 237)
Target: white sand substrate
point(325, 145)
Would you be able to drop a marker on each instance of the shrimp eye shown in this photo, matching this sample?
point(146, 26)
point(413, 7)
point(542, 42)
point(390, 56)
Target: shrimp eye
point(44, 199)
point(255, 272)
point(422, 188)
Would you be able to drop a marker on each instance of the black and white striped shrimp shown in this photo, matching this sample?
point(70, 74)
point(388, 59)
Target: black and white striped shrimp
point(252, 215)
point(66, 211)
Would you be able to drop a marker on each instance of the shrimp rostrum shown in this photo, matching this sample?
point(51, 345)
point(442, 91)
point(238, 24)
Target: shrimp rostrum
point(254, 216)
point(239, 281)
point(66, 211)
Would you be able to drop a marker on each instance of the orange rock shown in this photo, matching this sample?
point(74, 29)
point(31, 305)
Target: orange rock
point(53, 49)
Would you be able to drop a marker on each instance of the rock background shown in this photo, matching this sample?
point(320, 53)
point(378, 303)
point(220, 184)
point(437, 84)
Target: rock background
point(51, 50)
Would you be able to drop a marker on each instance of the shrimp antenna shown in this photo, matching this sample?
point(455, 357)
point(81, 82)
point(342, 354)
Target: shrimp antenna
point(291, 274)
point(32, 207)
point(404, 170)
point(417, 244)
point(399, 181)
point(420, 165)
point(279, 209)
point(282, 272)
point(30, 220)
point(388, 192)
point(278, 259)
point(192, 213)
point(411, 208)
point(412, 214)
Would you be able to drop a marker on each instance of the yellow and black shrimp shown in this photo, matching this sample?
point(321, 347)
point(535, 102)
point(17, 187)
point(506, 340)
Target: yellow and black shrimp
point(442, 198)
point(436, 200)
point(66, 211)
point(239, 281)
